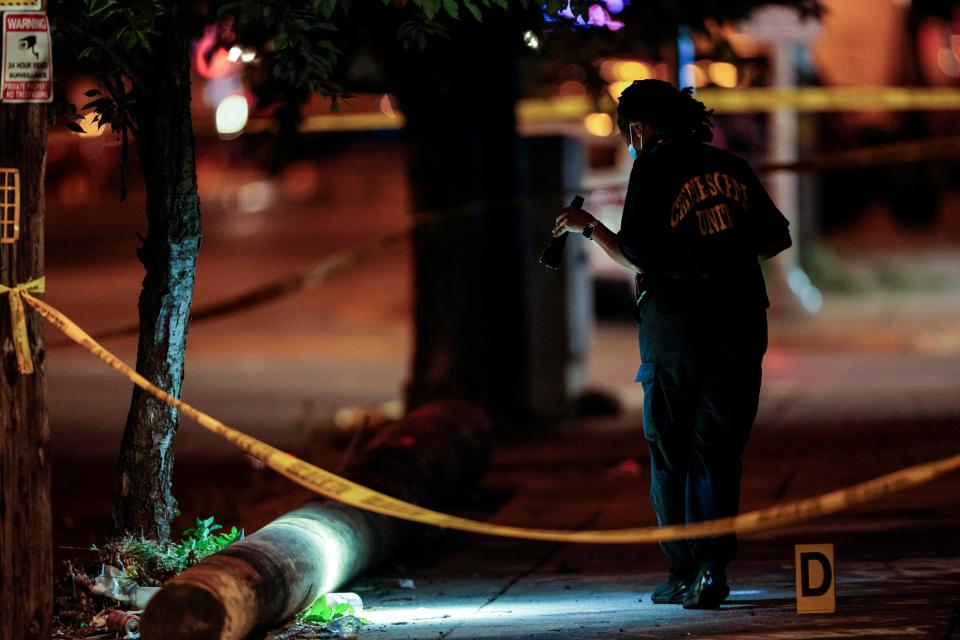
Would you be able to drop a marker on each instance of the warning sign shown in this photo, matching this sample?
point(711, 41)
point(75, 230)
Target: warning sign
point(27, 69)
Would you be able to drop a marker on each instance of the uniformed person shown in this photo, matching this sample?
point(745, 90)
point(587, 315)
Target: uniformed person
point(695, 221)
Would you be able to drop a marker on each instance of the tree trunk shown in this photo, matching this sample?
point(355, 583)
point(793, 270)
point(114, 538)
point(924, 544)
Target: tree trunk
point(432, 455)
point(459, 100)
point(25, 526)
point(144, 504)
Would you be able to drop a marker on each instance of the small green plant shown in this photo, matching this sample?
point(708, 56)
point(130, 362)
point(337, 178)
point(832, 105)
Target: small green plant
point(321, 612)
point(201, 541)
point(150, 562)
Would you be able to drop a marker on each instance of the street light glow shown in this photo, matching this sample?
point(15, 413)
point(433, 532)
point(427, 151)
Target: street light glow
point(723, 74)
point(630, 70)
point(616, 88)
point(232, 114)
point(696, 74)
point(91, 127)
point(599, 124)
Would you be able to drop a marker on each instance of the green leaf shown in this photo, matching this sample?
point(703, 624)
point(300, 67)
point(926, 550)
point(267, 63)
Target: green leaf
point(324, 7)
point(473, 9)
point(452, 9)
point(430, 7)
point(99, 103)
point(73, 126)
point(319, 611)
point(105, 8)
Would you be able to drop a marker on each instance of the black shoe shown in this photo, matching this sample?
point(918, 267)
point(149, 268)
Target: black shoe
point(673, 590)
point(707, 591)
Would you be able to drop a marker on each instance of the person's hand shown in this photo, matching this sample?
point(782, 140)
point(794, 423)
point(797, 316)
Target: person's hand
point(572, 220)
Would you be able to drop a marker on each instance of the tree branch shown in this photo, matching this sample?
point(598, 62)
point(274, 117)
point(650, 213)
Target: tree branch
point(79, 36)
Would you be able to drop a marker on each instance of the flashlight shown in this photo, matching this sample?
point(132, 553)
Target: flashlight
point(553, 252)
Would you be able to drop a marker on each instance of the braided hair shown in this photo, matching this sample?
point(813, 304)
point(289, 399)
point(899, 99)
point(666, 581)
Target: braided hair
point(673, 113)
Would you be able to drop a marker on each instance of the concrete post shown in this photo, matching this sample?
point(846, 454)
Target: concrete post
point(560, 303)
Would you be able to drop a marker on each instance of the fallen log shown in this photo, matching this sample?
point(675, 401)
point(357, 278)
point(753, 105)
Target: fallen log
point(428, 457)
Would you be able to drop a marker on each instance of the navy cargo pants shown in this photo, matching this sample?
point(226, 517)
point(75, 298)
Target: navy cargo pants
point(700, 369)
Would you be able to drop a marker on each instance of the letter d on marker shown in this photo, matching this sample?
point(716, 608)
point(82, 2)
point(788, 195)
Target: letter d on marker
point(816, 585)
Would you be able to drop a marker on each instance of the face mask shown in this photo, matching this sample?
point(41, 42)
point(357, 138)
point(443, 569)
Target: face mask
point(634, 153)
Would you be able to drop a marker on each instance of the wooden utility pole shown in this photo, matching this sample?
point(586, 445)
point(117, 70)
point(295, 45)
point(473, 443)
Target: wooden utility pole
point(25, 526)
point(432, 456)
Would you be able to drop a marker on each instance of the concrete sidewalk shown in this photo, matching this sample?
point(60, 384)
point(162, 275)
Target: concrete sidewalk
point(898, 559)
point(868, 386)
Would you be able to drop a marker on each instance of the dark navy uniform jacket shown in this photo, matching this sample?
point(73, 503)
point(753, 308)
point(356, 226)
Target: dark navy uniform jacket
point(696, 213)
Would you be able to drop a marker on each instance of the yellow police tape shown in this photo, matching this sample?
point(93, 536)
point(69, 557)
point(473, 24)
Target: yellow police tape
point(739, 100)
point(756, 99)
point(21, 341)
point(337, 488)
point(893, 153)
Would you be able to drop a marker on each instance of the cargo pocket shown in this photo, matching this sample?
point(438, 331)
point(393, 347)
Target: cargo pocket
point(643, 298)
point(646, 375)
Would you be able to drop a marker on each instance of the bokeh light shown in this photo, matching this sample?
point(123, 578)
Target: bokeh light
point(232, 114)
point(616, 88)
point(572, 88)
point(598, 124)
point(630, 70)
point(948, 63)
point(210, 60)
point(698, 75)
point(531, 40)
point(91, 127)
point(723, 74)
